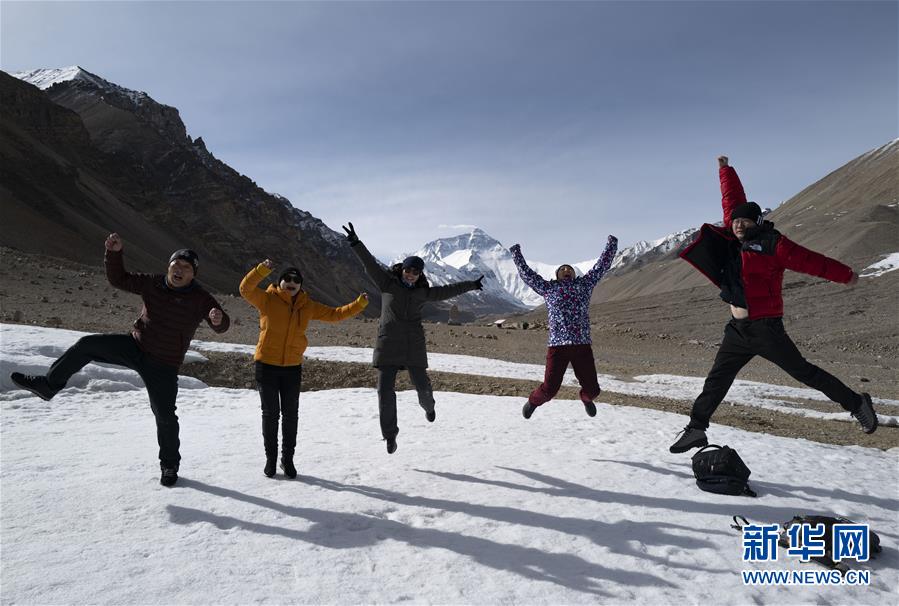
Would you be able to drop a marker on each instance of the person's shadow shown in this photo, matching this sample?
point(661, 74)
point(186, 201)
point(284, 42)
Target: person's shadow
point(339, 530)
point(752, 509)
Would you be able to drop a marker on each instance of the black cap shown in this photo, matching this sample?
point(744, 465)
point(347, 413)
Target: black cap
point(188, 255)
point(291, 271)
point(749, 210)
point(414, 262)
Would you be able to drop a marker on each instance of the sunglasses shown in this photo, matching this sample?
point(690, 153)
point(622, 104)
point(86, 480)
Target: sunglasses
point(412, 270)
point(292, 278)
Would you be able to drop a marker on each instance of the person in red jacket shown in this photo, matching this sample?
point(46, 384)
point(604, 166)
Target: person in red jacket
point(174, 305)
point(746, 259)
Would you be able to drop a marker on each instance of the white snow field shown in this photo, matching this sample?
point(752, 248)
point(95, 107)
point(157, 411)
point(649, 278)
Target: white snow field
point(481, 507)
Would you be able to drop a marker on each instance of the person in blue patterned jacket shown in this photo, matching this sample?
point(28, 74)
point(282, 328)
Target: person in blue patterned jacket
point(568, 307)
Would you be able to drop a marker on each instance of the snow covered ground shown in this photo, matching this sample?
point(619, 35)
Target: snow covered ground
point(885, 265)
point(749, 393)
point(479, 507)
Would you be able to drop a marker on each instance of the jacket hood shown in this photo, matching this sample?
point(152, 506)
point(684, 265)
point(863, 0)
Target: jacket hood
point(284, 295)
point(759, 230)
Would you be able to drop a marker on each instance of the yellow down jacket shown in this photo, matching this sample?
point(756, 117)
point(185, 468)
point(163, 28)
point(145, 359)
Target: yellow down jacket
point(283, 319)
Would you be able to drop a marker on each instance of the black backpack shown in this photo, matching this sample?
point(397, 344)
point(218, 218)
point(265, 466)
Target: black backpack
point(720, 469)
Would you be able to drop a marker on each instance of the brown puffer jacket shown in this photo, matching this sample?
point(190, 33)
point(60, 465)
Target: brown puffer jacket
point(169, 317)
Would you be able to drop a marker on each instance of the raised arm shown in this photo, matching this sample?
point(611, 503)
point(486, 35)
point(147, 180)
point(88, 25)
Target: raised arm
point(114, 261)
point(602, 264)
point(732, 194)
point(249, 286)
point(439, 293)
point(381, 276)
point(801, 259)
point(528, 275)
point(336, 314)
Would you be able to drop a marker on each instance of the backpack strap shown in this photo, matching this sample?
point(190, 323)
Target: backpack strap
point(704, 448)
point(737, 525)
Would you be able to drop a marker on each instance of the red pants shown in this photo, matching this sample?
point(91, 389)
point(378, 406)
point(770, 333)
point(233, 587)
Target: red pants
point(557, 360)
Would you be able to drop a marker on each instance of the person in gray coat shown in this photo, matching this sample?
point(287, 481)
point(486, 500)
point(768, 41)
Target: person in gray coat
point(401, 337)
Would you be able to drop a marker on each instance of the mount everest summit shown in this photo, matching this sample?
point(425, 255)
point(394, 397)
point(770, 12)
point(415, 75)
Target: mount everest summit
point(467, 256)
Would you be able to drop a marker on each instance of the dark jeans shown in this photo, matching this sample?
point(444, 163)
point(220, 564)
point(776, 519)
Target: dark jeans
point(745, 339)
point(557, 359)
point(279, 390)
point(387, 395)
point(160, 379)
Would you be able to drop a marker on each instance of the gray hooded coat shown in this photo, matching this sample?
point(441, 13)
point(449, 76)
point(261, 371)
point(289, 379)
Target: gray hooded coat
point(401, 337)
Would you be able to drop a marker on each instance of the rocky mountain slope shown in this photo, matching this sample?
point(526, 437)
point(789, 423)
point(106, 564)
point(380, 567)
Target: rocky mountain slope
point(84, 157)
point(851, 214)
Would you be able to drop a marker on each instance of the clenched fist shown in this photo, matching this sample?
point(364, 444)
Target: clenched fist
point(114, 242)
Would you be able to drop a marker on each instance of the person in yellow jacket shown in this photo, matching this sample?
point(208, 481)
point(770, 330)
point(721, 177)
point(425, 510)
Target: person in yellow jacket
point(285, 310)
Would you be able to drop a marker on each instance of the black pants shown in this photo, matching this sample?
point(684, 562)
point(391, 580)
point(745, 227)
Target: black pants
point(745, 339)
point(279, 390)
point(160, 379)
point(387, 395)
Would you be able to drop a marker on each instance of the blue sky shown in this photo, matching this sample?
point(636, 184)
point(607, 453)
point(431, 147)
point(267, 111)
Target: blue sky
point(547, 124)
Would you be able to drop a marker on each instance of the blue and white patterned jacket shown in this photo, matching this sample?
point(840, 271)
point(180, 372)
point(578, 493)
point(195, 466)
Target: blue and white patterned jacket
point(567, 302)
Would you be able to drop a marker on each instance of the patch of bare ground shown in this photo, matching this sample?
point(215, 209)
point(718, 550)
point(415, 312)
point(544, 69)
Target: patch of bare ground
point(236, 370)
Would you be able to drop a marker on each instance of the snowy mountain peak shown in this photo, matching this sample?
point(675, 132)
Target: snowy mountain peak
point(45, 78)
point(659, 246)
point(469, 255)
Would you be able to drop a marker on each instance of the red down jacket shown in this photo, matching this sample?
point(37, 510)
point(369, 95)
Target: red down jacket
point(764, 256)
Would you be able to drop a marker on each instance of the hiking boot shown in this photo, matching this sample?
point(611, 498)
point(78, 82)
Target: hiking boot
point(430, 415)
point(169, 476)
point(391, 445)
point(36, 384)
point(865, 415)
point(691, 438)
point(287, 467)
point(528, 409)
point(590, 407)
point(269, 469)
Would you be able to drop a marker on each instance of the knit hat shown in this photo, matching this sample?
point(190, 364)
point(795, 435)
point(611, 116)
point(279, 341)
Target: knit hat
point(291, 271)
point(749, 210)
point(414, 262)
point(188, 255)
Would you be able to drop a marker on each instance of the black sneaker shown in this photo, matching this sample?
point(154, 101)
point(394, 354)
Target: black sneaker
point(528, 409)
point(269, 469)
point(691, 438)
point(169, 476)
point(391, 445)
point(36, 384)
point(590, 407)
point(287, 467)
point(865, 415)
point(430, 415)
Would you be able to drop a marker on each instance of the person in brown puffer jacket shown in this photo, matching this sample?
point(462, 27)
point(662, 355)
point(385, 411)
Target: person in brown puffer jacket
point(285, 311)
point(174, 306)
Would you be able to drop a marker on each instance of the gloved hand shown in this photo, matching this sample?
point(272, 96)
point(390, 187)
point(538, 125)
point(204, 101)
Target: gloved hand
point(515, 248)
point(479, 283)
point(351, 236)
